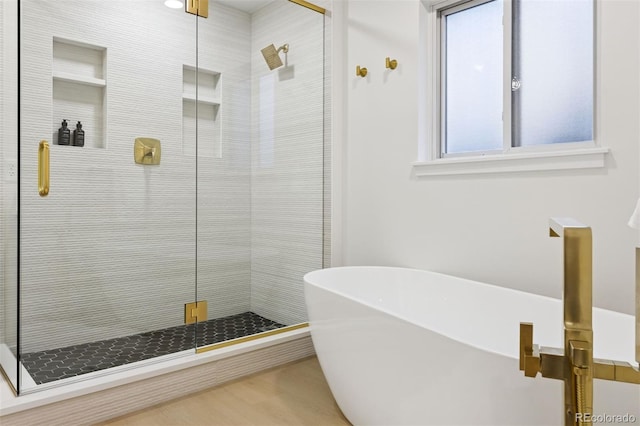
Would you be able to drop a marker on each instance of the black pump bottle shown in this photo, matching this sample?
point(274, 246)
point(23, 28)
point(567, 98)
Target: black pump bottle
point(64, 134)
point(78, 135)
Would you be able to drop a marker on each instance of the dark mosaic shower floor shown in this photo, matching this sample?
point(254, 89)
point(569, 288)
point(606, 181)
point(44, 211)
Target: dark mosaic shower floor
point(55, 364)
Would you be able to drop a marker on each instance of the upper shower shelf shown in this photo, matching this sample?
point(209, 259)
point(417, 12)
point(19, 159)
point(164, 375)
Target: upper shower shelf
point(79, 79)
point(206, 83)
point(201, 99)
point(201, 112)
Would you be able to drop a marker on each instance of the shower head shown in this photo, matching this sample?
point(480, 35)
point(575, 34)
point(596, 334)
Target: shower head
point(272, 57)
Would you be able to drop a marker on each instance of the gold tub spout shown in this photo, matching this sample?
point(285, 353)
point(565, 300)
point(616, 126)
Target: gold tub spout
point(574, 364)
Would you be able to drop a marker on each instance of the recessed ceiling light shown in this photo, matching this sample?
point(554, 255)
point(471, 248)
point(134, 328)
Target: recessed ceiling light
point(174, 4)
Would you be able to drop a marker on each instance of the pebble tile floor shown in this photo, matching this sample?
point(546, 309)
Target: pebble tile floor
point(55, 364)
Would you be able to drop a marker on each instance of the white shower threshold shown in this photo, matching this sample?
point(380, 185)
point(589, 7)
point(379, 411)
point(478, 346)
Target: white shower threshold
point(99, 396)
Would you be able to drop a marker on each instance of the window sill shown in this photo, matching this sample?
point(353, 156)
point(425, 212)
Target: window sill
point(585, 158)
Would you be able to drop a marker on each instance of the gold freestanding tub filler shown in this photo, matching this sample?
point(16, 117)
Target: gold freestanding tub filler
point(575, 364)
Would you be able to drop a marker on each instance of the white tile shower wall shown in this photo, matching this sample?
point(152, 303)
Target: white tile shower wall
point(110, 251)
point(287, 160)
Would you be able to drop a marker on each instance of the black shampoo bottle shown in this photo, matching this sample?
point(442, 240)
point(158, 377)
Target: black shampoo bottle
point(64, 134)
point(78, 135)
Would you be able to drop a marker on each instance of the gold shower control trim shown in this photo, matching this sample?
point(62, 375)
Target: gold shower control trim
point(147, 151)
point(43, 169)
point(311, 6)
point(252, 337)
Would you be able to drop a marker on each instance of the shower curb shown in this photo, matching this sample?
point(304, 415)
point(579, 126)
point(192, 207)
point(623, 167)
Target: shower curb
point(123, 399)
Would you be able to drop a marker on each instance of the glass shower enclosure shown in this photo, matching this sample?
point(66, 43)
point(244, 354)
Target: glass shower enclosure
point(164, 179)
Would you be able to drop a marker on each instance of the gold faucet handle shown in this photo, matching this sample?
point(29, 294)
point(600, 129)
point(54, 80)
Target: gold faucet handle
point(529, 353)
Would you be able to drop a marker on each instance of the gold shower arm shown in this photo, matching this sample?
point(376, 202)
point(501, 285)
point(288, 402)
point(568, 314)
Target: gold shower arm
point(284, 48)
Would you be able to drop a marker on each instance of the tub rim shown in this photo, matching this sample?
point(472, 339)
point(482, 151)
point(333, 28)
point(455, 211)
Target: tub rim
point(597, 312)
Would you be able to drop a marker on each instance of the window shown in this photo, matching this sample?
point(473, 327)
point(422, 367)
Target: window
point(511, 77)
point(472, 78)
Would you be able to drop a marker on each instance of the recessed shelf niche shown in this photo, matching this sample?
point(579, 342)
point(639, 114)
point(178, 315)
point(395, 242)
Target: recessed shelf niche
point(79, 89)
point(201, 107)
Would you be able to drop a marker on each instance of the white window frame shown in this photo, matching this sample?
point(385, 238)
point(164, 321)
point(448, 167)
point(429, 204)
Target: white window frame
point(431, 161)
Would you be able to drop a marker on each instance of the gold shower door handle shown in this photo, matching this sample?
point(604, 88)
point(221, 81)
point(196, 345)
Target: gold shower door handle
point(43, 169)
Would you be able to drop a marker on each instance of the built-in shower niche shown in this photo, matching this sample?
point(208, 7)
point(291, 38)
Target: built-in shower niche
point(79, 89)
point(201, 104)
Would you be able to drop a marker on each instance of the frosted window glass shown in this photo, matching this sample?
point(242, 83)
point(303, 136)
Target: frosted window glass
point(553, 59)
point(473, 79)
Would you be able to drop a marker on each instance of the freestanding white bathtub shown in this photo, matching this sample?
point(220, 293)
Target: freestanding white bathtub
point(408, 347)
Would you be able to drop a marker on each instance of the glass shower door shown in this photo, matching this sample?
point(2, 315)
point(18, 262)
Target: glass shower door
point(107, 186)
point(261, 167)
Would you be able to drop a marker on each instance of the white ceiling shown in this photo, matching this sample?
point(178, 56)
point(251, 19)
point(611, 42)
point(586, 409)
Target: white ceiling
point(248, 6)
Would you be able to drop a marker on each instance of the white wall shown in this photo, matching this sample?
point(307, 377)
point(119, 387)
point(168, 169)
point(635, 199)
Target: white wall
point(491, 228)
